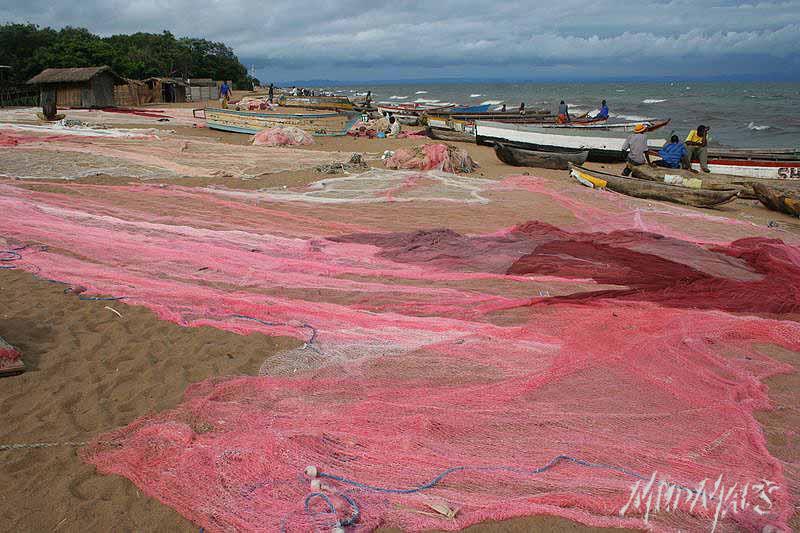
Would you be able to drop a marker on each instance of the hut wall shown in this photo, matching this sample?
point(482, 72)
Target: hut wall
point(101, 91)
point(68, 94)
point(180, 93)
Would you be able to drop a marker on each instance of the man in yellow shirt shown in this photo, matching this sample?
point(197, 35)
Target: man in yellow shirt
point(697, 148)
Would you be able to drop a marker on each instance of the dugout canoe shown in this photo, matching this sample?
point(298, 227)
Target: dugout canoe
point(519, 157)
point(450, 135)
point(783, 201)
point(650, 190)
point(330, 124)
point(711, 181)
point(602, 145)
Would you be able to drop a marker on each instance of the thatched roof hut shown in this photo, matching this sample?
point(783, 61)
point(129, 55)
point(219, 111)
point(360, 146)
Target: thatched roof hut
point(78, 87)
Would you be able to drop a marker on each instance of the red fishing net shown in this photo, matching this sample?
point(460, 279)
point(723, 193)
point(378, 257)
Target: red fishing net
point(432, 156)
point(283, 136)
point(491, 367)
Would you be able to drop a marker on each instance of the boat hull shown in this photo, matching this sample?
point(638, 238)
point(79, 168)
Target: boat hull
point(450, 135)
point(603, 146)
point(318, 124)
point(336, 103)
point(530, 158)
point(651, 190)
point(787, 202)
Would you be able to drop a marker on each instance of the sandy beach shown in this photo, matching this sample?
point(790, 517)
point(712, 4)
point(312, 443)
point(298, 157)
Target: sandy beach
point(96, 366)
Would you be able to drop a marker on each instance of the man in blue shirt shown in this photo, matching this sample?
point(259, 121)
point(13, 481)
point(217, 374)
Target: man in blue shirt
point(224, 94)
point(603, 111)
point(672, 153)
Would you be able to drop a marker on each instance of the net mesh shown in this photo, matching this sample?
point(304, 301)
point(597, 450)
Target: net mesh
point(489, 369)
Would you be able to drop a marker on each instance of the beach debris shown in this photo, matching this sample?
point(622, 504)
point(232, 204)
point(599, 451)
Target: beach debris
point(432, 156)
point(283, 136)
point(10, 360)
point(355, 164)
point(113, 311)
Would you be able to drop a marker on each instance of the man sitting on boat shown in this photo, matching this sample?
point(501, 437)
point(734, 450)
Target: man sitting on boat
point(672, 154)
point(636, 144)
point(697, 148)
point(563, 113)
point(603, 114)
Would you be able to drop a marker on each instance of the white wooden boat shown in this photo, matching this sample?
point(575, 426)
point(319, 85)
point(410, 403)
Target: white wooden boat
point(318, 124)
point(761, 164)
point(602, 145)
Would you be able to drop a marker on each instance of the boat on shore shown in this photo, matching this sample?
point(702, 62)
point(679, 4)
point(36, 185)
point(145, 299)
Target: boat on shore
point(330, 124)
point(650, 190)
point(519, 157)
point(448, 135)
point(712, 181)
point(783, 201)
point(336, 103)
point(602, 145)
point(410, 113)
point(775, 164)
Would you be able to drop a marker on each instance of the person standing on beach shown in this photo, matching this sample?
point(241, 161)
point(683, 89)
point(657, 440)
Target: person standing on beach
point(697, 148)
point(522, 108)
point(224, 94)
point(271, 92)
point(563, 113)
point(636, 144)
point(503, 109)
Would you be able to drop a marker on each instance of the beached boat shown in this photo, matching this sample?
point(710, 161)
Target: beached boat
point(602, 145)
point(450, 135)
point(318, 124)
point(651, 190)
point(781, 200)
point(337, 103)
point(781, 164)
point(519, 157)
point(712, 181)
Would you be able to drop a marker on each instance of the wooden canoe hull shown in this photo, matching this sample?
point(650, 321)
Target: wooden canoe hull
point(650, 190)
point(336, 103)
point(782, 201)
point(317, 124)
point(712, 181)
point(530, 158)
point(450, 135)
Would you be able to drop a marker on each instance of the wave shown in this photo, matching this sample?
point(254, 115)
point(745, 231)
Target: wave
point(620, 90)
point(421, 92)
point(653, 101)
point(632, 118)
point(492, 102)
point(755, 127)
point(426, 101)
point(475, 95)
point(394, 97)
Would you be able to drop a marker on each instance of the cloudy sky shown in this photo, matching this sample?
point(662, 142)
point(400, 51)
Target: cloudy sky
point(521, 40)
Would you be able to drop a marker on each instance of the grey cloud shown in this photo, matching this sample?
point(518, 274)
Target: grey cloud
point(465, 38)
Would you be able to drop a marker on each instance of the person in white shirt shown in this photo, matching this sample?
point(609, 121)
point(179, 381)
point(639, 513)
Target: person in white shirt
point(394, 127)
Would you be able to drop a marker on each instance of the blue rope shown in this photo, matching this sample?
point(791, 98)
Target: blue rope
point(9, 255)
point(309, 342)
point(435, 481)
point(352, 519)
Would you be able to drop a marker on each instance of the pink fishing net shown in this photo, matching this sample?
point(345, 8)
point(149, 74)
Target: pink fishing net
point(10, 358)
point(493, 366)
point(432, 156)
point(283, 136)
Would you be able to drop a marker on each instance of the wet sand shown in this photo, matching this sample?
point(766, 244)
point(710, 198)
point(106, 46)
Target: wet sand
point(90, 371)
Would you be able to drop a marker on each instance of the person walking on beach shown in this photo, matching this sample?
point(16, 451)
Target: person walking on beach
point(563, 113)
point(603, 114)
point(271, 92)
point(697, 148)
point(636, 144)
point(672, 153)
point(224, 94)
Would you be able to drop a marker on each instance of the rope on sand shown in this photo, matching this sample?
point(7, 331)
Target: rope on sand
point(35, 445)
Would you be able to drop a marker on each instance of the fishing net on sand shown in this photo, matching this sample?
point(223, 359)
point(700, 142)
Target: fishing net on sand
point(535, 352)
point(36, 155)
point(283, 136)
point(432, 156)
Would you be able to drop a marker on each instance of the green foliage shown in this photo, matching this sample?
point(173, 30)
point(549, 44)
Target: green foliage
point(29, 49)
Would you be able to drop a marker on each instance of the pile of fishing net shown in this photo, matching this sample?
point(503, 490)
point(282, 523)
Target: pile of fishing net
point(452, 364)
point(369, 128)
point(283, 136)
point(255, 103)
point(432, 156)
point(10, 359)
